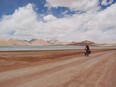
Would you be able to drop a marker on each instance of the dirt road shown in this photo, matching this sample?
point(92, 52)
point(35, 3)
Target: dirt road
point(96, 70)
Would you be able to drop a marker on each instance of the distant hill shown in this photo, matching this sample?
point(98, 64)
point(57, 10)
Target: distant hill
point(38, 42)
point(106, 44)
point(56, 42)
point(23, 42)
point(11, 42)
point(83, 43)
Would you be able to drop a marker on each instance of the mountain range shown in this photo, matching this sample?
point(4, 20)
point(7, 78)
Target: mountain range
point(12, 42)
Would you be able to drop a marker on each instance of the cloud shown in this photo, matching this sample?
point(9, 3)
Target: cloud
point(84, 5)
point(25, 24)
point(49, 18)
point(106, 2)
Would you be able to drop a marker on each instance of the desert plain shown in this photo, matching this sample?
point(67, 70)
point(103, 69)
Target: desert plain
point(58, 68)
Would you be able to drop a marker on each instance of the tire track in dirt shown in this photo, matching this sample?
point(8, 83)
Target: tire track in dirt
point(59, 74)
point(92, 76)
point(62, 75)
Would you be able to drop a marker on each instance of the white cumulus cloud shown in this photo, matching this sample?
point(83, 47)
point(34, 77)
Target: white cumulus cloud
point(105, 2)
point(25, 24)
point(49, 18)
point(74, 4)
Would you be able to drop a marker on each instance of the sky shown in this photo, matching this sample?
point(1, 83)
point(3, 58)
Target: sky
point(63, 20)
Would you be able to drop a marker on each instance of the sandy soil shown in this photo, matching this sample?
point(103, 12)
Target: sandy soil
point(63, 68)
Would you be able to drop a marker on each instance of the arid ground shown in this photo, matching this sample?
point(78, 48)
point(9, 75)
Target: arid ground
point(61, 68)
